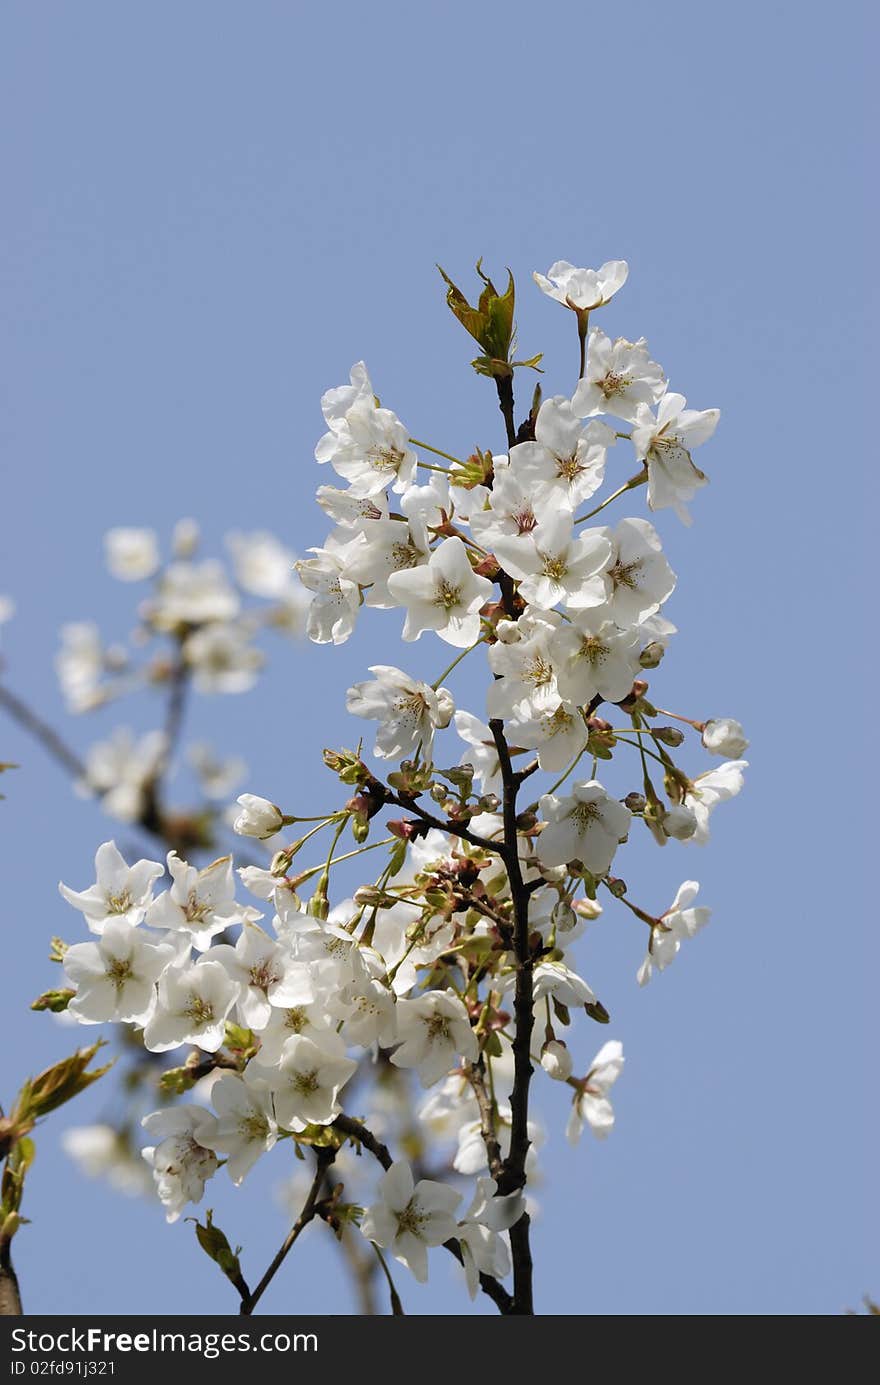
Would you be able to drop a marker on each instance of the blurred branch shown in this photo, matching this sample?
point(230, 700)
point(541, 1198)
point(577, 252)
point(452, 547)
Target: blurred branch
point(42, 732)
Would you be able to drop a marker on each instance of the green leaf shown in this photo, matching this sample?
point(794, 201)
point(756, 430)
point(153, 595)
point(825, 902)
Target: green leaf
point(217, 1248)
point(58, 1084)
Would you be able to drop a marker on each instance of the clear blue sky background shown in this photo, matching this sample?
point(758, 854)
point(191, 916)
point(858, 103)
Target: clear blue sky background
point(211, 210)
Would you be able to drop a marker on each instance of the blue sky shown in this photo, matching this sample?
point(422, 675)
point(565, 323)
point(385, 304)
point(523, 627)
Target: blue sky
point(211, 211)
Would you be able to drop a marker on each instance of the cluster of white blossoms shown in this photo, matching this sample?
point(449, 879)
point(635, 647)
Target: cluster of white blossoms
point(457, 963)
point(195, 625)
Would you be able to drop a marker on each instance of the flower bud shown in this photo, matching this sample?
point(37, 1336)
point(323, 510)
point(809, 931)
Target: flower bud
point(587, 908)
point(185, 539)
point(635, 802)
point(445, 708)
point(651, 654)
point(508, 631)
point(724, 736)
point(563, 916)
point(616, 886)
point(556, 1060)
point(668, 735)
point(258, 818)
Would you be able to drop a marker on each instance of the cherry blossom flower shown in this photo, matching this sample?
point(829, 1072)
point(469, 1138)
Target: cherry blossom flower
point(266, 973)
point(245, 1127)
point(582, 289)
point(435, 1031)
point(192, 1006)
point(115, 977)
point(411, 1217)
point(444, 595)
point(200, 902)
point(565, 464)
point(194, 594)
point(482, 1248)
point(336, 600)
point(619, 376)
point(120, 890)
point(258, 818)
point(591, 1104)
point(222, 659)
point(181, 1164)
point(680, 921)
point(595, 658)
point(664, 443)
point(724, 736)
point(408, 711)
point(132, 554)
point(553, 564)
point(710, 789)
point(585, 826)
point(306, 1083)
point(638, 578)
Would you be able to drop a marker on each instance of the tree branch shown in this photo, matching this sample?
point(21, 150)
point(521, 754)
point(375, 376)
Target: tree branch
point(324, 1158)
point(41, 731)
point(513, 1174)
point(476, 1075)
point(451, 828)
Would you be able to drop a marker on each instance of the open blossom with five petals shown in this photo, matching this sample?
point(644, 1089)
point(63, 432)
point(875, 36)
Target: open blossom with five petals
point(565, 464)
point(120, 891)
point(408, 710)
point(585, 826)
point(192, 1005)
point(511, 508)
point(619, 376)
point(181, 1163)
point(306, 1082)
point(444, 595)
point(638, 578)
point(553, 564)
point(200, 902)
point(582, 289)
point(245, 1127)
point(664, 443)
point(266, 974)
point(435, 1031)
point(591, 1104)
point(370, 449)
point(115, 977)
point(411, 1217)
point(525, 671)
point(595, 658)
point(680, 921)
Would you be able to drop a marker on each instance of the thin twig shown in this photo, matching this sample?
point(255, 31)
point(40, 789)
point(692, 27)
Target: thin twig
point(325, 1158)
point(41, 731)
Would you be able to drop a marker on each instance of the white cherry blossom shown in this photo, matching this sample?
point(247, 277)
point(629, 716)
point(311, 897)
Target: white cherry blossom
point(680, 921)
point(664, 444)
point(120, 890)
point(619, 376)
point(591, 1104)
point(181, 1164)
point(444, 595)
point(435, 1031)
point(192, 1006)
point(115, 977)
point(408, 711)
point(582, 289)
point(565, 464)
point(411, 1217)
point(585, 825)
point(555, 564)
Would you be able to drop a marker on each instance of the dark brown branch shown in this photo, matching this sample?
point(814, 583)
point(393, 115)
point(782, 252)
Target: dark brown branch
point(513, 1174)
point(454, 829)
point(504, 385)
point(41, 731)
point(325, 1158)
